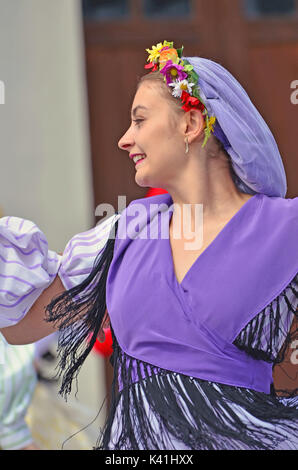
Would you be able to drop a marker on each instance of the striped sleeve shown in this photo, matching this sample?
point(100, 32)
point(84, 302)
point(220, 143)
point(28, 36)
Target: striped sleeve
point(27, 267)
point(80, 252)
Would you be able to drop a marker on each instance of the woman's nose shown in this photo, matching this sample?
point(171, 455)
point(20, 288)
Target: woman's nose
point(126, 141)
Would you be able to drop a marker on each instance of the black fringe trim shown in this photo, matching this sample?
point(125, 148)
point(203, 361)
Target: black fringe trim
point(263, 336)
point(198, 414)
point(79, 314)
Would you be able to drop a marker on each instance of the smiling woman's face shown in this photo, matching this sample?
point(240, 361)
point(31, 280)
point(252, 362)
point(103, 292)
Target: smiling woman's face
point(153, 132)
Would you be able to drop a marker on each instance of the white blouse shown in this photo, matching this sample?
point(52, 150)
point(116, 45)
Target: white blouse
point(28, 266)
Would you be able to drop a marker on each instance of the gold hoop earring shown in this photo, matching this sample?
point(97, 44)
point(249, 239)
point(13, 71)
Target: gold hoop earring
point(186, 145)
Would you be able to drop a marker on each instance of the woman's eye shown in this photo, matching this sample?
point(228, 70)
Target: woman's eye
point(137, 121)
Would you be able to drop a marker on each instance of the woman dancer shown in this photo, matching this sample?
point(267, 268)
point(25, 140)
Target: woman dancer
point(198, 319)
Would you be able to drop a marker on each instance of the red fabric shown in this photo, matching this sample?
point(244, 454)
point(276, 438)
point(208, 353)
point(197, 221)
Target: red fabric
point(155, 192)
point(104, 349)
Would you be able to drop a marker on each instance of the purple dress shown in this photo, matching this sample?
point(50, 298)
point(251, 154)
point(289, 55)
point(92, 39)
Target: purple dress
point(192, 361)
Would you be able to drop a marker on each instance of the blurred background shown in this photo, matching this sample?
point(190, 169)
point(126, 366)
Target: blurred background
point(70, 69)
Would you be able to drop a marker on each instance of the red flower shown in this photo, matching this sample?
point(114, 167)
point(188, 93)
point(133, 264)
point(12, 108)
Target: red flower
point(190, 102)
point(149, 66)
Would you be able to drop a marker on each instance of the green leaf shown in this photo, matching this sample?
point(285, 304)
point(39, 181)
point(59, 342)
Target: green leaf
point(191, 78)
point(205, 141)
point(188, 68)
point(195, 93)
point(195, 76)
point(207, 133)
point(186, 62)
point(180, 51)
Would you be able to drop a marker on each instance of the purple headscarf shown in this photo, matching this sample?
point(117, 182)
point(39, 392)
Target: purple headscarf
point(242, 130)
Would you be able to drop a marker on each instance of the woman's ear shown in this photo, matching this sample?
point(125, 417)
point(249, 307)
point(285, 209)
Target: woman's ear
point(194, 124)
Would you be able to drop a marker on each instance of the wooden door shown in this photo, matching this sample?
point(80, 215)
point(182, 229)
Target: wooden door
point(256, 40)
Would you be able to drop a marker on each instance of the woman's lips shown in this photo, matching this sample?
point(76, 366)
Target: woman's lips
point(139, 161)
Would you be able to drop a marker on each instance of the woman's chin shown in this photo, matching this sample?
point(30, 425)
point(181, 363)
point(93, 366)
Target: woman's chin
point(146, 180)
point(142, 180)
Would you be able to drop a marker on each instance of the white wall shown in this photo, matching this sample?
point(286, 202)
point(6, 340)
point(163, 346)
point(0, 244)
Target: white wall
point(45, 172)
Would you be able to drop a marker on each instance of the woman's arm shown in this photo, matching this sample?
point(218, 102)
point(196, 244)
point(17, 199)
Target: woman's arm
point(34, 326)
point(27, 268)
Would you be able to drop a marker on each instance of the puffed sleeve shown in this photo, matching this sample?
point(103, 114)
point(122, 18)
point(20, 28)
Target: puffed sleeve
point(27, 267)
point(80, 252)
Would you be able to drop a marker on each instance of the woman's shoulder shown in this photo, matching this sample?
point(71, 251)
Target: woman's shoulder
point(281, 209)
point(281, 201)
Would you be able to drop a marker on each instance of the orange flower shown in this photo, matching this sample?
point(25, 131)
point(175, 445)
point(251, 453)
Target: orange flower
point(168, 54)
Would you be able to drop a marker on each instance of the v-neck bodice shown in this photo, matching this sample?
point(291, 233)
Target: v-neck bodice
point(214, 240)
point(189, 327)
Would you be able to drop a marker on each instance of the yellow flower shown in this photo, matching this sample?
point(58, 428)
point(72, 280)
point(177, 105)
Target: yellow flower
point(154, 53)
point(211, 123)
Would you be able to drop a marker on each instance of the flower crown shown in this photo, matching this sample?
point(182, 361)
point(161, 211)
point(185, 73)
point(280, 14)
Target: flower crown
point(181, 76)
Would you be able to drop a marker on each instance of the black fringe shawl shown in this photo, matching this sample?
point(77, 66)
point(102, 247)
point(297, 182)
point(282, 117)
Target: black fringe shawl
point(270, 334)
point(168, 410)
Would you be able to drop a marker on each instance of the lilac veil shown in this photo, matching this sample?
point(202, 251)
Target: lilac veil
point(242, 130)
